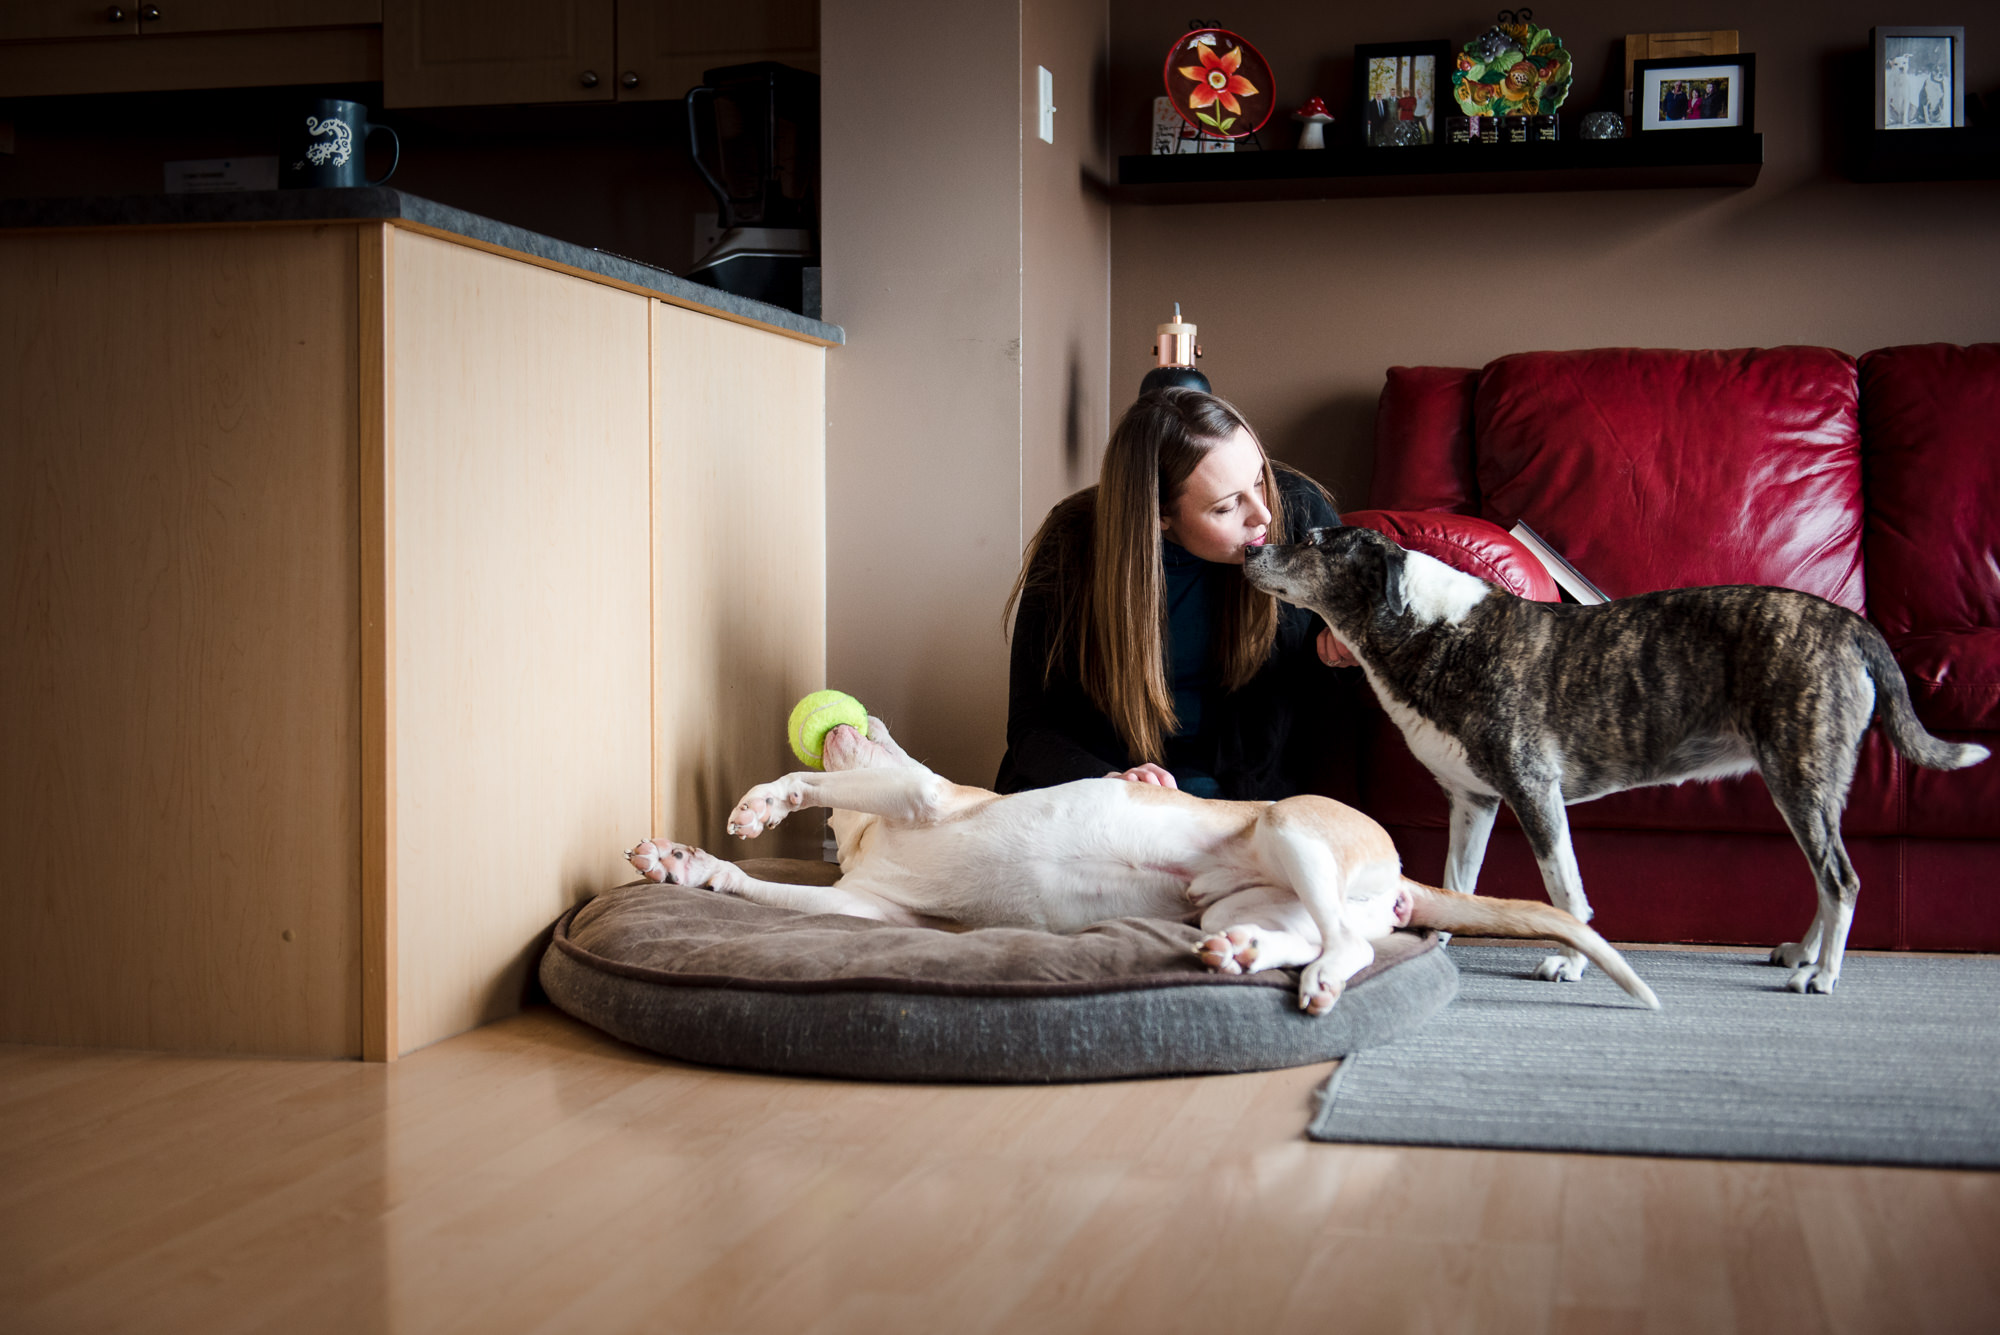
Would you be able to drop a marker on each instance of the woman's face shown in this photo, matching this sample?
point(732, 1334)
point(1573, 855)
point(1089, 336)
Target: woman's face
point(1222, 509)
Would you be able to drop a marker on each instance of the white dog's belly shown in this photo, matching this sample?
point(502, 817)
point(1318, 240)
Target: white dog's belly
point(1057, 859)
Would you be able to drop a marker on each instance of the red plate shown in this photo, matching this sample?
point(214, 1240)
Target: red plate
point(1220, 84)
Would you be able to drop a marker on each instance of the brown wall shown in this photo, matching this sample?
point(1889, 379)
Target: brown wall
point(970, 268)
point(1303, 305)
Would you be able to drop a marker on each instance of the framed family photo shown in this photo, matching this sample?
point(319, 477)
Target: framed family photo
point(1694, 93)
point(1396, 87)
point(1919, 78)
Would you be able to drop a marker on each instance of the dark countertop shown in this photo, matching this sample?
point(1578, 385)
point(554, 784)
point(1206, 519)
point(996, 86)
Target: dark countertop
point(254, 206)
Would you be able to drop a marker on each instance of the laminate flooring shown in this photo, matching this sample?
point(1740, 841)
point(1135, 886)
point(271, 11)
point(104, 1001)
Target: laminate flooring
point(534, 1175)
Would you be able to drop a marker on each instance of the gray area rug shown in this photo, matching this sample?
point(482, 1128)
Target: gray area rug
point(1900, 1066)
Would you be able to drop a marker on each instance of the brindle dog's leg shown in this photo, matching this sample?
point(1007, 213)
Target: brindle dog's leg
point(1810, 799)
point(1546, 823)
point(1472, 817)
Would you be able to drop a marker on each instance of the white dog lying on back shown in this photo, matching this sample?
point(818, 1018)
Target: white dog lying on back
point(1303, 882)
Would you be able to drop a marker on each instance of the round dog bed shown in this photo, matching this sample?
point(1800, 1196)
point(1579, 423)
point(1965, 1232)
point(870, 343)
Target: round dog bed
point(709, 978)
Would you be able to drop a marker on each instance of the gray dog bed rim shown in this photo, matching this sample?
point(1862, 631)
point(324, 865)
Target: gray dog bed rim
point(803, 995)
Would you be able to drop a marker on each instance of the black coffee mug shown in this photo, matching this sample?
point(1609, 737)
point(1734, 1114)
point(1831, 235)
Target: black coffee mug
point(322, 146)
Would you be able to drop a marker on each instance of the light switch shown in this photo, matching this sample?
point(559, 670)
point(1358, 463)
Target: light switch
point(1045, 84)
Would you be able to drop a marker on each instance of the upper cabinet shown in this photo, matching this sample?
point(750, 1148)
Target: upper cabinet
point(664, 45)
point(478, 52)
point(442, 53)
point(427, 53)
point(58, 20)
point(61, 48)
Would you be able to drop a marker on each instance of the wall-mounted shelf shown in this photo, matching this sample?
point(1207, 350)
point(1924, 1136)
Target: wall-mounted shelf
point(1924, 155)
point(1647, 162)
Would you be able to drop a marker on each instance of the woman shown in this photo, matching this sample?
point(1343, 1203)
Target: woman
point(1139, 652)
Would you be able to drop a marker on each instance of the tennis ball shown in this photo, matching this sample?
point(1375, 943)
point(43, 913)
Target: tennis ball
point(816, 716)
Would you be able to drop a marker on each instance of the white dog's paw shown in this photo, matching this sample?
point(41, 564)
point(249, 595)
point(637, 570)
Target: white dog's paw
point(1791, 955)
point(1560, 968)
point(1320, 986)
point(679, 864)
point(763, 807)
point(1231, 951)
point(1812, 978)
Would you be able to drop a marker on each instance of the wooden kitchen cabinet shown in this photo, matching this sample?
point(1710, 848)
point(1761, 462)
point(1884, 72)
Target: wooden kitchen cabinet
point(356, 623)
point(483, 52)
point(665, 45)
point(438, 53)
point(60, 47)
point(56, 20)
point(53, 20)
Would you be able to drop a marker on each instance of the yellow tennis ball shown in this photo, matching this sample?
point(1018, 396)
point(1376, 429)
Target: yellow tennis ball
point(816, 716)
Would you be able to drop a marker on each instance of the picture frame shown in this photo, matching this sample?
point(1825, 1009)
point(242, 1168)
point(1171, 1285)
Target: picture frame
point(1664, 45)
point(1400, 90)
point(1665, 92)
point(1919, 77)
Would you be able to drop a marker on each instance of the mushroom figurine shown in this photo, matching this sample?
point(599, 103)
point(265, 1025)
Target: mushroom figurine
point(1311, 117)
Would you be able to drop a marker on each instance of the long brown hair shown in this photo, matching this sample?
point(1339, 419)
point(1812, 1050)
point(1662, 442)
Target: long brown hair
point(1100, 553)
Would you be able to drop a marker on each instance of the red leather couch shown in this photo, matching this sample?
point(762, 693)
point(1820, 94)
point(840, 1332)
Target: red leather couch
point(1874, 482)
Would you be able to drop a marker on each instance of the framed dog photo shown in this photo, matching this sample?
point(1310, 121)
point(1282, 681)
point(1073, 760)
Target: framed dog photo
point(1396, 88)
point(1919, 78)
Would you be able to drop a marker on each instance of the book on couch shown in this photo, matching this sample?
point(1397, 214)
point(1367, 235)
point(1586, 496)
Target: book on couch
point(1567, 577)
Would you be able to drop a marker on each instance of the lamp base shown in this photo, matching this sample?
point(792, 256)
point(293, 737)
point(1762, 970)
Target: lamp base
point(1174, 377)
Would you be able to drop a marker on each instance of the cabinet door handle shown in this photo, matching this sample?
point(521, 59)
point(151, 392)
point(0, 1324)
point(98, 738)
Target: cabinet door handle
point(630, 79)
point(114, 15)
point(150, 13)
point(588, 78)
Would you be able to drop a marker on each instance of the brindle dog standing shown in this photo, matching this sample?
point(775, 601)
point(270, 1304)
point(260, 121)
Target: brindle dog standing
point(1541, 705)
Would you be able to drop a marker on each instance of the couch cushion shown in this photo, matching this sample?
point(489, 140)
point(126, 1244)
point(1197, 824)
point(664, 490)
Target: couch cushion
point(709, 978)
point(1931, 422)
point(1465, 542)
point(1954, 677)
point(1423, 440)
point(1661, 469)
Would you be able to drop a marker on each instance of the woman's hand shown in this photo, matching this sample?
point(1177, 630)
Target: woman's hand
point(1146, 773)
point(1331, 651)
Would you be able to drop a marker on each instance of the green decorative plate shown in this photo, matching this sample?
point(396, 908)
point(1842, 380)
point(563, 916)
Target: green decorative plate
point(1512, 69)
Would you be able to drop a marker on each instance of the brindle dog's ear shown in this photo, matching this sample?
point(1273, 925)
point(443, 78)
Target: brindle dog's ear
point(1316, 537)
point(1395, 573)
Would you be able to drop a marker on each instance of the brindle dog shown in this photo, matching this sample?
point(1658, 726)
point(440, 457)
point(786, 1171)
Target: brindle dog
point(1541, 705)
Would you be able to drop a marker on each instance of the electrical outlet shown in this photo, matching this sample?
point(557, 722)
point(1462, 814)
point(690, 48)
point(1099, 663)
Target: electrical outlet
point(1045, 84)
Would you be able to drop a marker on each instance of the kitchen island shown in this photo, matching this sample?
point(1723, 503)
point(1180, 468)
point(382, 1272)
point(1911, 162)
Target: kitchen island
point(375, 572)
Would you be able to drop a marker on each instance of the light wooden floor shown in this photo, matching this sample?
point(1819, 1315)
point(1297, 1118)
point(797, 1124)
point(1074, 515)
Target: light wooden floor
point(535, 1176)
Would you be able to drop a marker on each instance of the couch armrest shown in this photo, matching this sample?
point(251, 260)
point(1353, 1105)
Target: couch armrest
point(1464, 542)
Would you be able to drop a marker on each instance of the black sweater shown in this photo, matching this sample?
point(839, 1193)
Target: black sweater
point(1270, 735)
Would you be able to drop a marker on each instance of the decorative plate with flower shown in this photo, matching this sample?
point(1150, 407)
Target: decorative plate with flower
point(1512, 69)
point(1220, 84)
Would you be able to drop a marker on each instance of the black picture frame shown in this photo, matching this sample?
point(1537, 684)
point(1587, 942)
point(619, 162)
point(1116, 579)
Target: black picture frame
point(1893, 112)
point(1372, 128)
point(1652, 82)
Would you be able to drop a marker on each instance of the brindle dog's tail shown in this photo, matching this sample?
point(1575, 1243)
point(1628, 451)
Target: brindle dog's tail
point(1474, 915)
point(1893, 712)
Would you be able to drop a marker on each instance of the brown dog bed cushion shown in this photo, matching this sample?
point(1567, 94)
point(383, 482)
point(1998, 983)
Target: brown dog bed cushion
point(709, 978)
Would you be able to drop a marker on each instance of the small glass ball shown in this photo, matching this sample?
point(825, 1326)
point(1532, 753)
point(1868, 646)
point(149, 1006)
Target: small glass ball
point(1603, 125)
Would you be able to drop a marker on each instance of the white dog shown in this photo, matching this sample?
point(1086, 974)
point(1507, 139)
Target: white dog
point(1303, 882)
